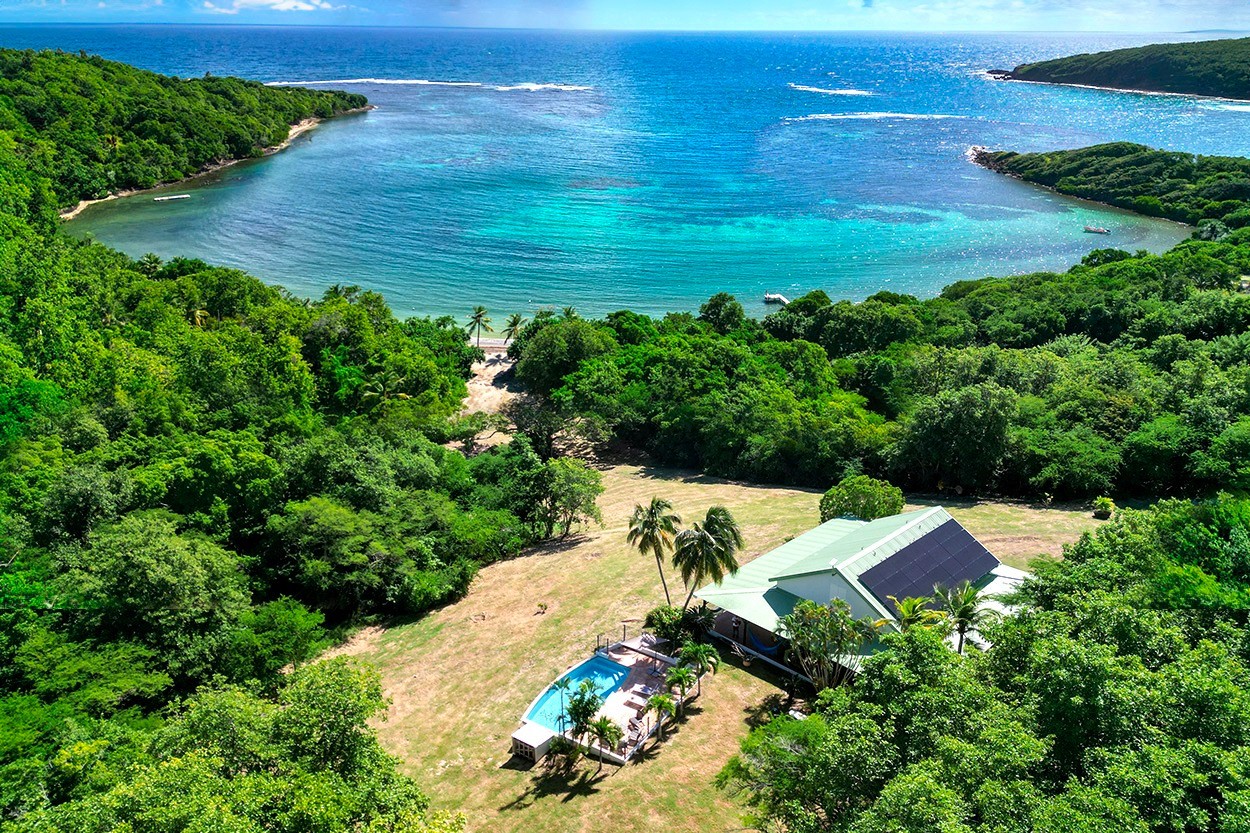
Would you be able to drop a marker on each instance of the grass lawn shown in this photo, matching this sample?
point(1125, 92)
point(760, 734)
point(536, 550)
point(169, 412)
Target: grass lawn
point(461, 677)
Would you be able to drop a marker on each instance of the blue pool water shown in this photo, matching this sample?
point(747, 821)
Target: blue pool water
point(642, 170)
point(606, 674)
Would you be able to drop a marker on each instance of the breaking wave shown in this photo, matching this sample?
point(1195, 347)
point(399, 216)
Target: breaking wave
point(424, 82)
point(826, 91)
point(872, 117)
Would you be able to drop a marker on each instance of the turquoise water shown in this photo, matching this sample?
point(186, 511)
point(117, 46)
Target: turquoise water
point(642, 170)
point(606, 675)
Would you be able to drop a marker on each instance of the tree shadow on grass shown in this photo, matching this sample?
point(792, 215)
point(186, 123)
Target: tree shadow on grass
point(652, 471)
point(762, 713)
point(570, 783)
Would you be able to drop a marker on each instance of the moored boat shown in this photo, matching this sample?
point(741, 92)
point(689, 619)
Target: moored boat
point(1097, 230)
point(172, 197)
point(775, 298)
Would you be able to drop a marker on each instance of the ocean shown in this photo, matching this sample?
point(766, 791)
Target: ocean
point(602, 171)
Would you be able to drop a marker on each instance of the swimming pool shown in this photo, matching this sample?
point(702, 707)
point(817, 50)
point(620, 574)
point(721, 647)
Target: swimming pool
point(606, 675)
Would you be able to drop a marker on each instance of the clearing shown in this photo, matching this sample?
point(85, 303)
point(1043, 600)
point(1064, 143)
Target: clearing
point(461, 677)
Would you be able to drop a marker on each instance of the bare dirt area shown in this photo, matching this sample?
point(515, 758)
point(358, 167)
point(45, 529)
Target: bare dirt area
point(488, 393)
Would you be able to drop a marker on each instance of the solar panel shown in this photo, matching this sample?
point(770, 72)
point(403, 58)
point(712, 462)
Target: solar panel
point(946, 556)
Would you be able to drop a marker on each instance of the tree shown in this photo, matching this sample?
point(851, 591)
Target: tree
point(707, 550)
point(381, 388)
point(570, 491)
point(702, 657)
point(664, 707)
point(149, 264)
point(479, 322)
point(914, 611)
point(723, 313)
point(958, 438)
point(681, 678)
point(141, 579)
point(964, 607)
point(861, 497)
point(584, 703)
point(607, 733)
point(563, 685)
point(652, 529)
point(558, 349)
point(513, 326)
point(826, 640)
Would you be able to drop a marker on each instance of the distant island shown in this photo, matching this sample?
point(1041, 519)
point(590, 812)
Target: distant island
point(1217, 68)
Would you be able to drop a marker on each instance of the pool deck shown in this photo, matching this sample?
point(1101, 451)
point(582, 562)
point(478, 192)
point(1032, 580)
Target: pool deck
point(626, 706)
point(645, 678)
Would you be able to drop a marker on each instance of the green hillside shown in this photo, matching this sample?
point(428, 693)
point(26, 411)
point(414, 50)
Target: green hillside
point(92, 127)
point(1215, 68)
point(1179, 186)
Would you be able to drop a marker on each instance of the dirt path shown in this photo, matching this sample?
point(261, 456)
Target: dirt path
point(487, 392)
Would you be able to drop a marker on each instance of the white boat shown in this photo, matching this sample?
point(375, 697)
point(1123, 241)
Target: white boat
point(775, 298)
point(1097, 230)
point(172, 197)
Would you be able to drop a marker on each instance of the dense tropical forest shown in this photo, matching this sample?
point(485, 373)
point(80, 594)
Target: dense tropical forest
point(1118, 699)
point(204, 480)
point(1211, 192)
point(91, 127)
point(201, 479)
point(1128, 373)
point(1216, 68)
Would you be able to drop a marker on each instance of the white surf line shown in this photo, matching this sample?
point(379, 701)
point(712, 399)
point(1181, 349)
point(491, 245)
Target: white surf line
point(827, 91)
point(873, 117)
point(528, 86)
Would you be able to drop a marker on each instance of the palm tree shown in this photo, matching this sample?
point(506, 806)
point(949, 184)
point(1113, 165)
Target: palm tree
point(608, 733)
point(708, 550)
point(702, 657)
point(513, 326)
point(652, 529)
point(198, 317)
point(569, 313)
point(478, 321)
point(663, 706)
point(382, 388)
point(913, 611)
point(964, 607)
point(563, 685)
point(682, 679)
point(149, 264)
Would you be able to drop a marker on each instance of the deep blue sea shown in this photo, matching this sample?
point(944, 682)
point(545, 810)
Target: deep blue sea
point(524, 169)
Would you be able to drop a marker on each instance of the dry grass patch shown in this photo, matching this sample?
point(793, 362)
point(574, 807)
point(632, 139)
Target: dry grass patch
point(461, 677)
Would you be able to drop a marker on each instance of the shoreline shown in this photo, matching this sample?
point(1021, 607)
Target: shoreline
point(978, 155)
point(296, 130)
point(1000, 75)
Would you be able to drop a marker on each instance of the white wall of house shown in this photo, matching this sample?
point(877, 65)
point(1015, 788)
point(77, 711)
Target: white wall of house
point(818, 587)
point(824, 587)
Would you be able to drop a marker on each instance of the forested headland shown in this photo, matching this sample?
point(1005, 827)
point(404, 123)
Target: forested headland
point(1219, 68)
point(90, 127)
point(204, 479)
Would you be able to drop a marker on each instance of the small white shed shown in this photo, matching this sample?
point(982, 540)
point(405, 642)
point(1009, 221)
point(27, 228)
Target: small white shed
point(532, 741)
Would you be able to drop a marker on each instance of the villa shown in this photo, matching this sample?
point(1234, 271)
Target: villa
point(861, 562)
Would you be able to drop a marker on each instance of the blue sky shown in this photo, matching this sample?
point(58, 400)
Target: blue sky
point(942, 15)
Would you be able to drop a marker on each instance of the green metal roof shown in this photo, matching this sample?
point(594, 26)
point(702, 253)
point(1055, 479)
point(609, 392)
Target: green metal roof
point(761, 609)
point(844, 546)
point(864, 545)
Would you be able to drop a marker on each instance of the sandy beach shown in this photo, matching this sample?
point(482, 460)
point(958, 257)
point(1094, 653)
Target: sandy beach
point(298, 129)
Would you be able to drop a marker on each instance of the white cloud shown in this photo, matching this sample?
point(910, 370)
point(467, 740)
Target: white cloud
point(236, 6)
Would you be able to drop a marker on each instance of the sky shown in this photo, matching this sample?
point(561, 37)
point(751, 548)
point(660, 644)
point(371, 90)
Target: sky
point(750, 15)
